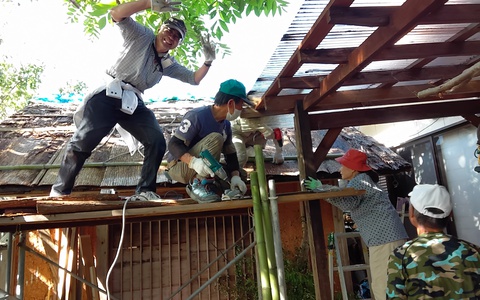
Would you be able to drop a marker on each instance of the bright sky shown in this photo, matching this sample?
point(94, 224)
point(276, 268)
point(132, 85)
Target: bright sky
point(39, 32)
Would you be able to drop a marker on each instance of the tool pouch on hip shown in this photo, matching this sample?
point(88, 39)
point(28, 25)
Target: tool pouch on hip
point(129, 102)
point(114, 89)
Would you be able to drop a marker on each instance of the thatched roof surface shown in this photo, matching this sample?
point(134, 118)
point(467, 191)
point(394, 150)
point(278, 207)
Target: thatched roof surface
point(32, 142)
point(381, 158)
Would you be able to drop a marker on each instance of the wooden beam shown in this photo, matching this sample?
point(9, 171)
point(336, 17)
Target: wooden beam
point(375, 97)
point(473, 119)
point(394, 76)
point(401, 22)
point(325, 145)
point(391, 96)
point(398, 114)
point(379, 16)
point(315, 35)
point(305, 155)
point(424, 50)
point(360, 16)
point(93, 218)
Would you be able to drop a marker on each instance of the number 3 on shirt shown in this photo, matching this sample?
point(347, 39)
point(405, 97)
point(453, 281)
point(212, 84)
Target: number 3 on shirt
point(184, 126)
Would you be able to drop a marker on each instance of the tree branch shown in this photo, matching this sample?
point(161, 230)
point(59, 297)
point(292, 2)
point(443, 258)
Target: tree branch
point(453, 84)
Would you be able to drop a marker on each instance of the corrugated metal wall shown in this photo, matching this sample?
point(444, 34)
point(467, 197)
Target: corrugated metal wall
point(158, 257)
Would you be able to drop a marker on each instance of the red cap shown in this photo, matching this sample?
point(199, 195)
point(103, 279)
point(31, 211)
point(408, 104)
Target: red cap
point(355, 160)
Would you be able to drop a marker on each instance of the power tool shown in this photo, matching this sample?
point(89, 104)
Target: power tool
point(214, 165)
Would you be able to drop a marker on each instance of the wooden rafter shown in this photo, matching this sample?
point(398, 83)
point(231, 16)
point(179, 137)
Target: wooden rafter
point(397, 114)
point(380, 16)
point(440, 72)
point(316, 34)
point(372, 97)
point(401, 22)
point(426, 50)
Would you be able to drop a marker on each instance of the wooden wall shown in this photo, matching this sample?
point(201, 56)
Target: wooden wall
point(158, 257)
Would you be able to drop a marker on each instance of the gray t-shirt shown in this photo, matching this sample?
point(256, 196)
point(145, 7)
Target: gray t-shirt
point(377, 220)
point(136, 64)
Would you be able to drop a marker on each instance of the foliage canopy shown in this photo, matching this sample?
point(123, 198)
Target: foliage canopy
point(201, 17)
point(17, 85)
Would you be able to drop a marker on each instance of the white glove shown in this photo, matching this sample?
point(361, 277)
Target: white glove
point(164, 5)
point(237, 182)
point(200, 167)
point(278, 157)
point(208, 48)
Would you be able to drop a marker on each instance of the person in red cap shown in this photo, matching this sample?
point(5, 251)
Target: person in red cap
point(378, 222)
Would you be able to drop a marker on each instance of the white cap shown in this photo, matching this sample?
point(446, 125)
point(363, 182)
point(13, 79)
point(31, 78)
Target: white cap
point(426, 196)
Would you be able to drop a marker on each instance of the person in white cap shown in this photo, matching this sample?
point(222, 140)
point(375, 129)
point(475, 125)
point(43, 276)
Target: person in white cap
point(144, 60)
point(434, 265)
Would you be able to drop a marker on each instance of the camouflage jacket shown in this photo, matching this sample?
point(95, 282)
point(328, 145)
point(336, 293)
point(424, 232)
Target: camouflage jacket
point(434, 266)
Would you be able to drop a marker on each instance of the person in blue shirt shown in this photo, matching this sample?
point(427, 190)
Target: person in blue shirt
point(377, 220)
point(208, 128)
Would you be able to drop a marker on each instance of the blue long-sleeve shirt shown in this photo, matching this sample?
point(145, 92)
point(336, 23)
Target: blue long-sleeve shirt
point(377, 220)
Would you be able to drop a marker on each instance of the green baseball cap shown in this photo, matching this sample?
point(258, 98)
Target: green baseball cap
point(235, 88)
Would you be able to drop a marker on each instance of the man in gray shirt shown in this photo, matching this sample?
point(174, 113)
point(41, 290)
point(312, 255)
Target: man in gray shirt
point(141, 65)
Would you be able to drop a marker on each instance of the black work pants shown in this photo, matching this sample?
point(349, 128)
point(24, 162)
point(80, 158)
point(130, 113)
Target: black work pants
point(100, 116)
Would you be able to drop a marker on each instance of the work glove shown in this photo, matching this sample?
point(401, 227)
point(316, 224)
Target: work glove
point(237, 182)
point(208, 48)
point(312, 184)
point(200, 167)
point(278, 157)
point(164, 5)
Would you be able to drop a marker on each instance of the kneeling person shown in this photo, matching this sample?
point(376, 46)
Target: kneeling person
point(208, 128)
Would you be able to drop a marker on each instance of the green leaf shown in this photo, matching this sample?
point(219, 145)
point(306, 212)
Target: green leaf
point(223, 25)
point(102, 22)
point(221, 13)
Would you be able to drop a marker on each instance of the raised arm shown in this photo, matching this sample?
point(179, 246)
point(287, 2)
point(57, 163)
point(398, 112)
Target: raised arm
point(127, 9)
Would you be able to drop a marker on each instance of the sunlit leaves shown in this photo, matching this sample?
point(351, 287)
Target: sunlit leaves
point(201, 17)
point(17, 85)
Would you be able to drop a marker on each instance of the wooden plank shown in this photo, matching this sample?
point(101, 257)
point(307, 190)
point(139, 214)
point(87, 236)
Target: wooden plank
point(18, 203)
point(105, 217)
point(58, 206)
point(89, 265)
point(70, 282)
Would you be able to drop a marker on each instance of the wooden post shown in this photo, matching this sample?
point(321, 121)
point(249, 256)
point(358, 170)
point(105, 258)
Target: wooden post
point(313, 211)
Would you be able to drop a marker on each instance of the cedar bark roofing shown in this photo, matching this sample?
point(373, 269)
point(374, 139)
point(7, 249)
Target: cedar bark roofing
point(32, 143)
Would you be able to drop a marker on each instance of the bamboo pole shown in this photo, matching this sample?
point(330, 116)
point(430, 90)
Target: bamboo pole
point(260, 237)
point(267, 221)
point(277, 239)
